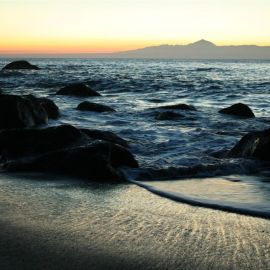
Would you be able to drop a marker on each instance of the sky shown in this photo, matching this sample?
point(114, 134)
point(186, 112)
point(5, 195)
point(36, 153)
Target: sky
point(80, 26)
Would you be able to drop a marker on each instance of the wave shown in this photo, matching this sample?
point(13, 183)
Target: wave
point(216, 205)
point(208, 69)
point(226, 167)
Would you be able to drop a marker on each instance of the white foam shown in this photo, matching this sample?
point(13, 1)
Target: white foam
point(226, 206)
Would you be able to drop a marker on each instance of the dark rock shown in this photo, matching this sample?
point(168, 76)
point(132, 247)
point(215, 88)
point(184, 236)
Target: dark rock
point(105, 136)
point(90, 162)
point(180, 106)
point(15, 143)
point(39, 113)
point(95, 107)
point(64, 149)
point(20, 65)
point(120, 156)
point(50, 107)
point(21, 111)
point(253, 145)
point(78, 89)
point(168, 116)
point(238, 109)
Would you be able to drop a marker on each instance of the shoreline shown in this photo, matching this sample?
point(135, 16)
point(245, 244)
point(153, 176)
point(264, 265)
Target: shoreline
point(66, 225)
point(204, 203)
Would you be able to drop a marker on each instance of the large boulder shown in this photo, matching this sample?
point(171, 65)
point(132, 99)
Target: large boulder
point(50, 107)
point(22, 64)
point(108, 136)
point(78, 89)
point(64, 149)
point(168, 115)
point(89, 162)
point(21, 111)
point(39, 113)
point(253, 145)
point(238, 109)
point(180, 106)
point(16, 143)
point(94, 107)
point(120, 156)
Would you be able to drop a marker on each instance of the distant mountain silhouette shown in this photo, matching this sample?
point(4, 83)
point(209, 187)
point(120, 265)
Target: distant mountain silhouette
point(201, 49)
point(202, 44)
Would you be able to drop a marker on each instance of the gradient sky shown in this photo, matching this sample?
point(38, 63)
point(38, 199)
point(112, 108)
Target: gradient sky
point(115, 25)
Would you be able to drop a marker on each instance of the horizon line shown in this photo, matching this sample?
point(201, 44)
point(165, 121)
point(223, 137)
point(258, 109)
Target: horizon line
point(78, 52)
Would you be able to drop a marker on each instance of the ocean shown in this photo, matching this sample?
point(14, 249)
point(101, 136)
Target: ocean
point(168, 151)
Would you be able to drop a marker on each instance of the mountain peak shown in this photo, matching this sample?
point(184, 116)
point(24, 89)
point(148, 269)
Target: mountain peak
point(202, 43)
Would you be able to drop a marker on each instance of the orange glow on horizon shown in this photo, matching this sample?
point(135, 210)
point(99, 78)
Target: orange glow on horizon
point(80, 47)
point(74, 46)
point(91, 26)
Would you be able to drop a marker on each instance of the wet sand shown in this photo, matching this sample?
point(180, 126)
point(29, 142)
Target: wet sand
point(49, 224)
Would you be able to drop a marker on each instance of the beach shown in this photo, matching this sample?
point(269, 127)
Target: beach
point(48, 222)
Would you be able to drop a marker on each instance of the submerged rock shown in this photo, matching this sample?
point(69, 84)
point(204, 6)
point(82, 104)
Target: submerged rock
point(168, 116)
point(253, 145)
point(50, 107)
point(63, 149)
point(78, 89)
point(95, 107)
point(238, 109)
point(22, 64)
point(21, 111)
point(180, 106)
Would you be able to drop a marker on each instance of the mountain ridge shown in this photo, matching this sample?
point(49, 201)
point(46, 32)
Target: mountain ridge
point(202, 49)
point(199, 50)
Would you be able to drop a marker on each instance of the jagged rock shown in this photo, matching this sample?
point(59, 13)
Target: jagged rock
point(104, 135)
point(253, 145)
point(78, 89)
point(95, 107)
point(168, 116)
point(22, 64)
point(64, 149)
point(50, 107)
point(238, 109)
point(21, 111)
point(180, 106)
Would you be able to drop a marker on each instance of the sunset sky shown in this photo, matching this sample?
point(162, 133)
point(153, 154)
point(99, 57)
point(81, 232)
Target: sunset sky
point(76, 26)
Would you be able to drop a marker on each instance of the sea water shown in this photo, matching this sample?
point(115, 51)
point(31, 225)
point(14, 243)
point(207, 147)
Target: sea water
point(168, 151)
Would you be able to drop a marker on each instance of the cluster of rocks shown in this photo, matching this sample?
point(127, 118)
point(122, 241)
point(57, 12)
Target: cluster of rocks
point(27, 145)
point(75, 89)
point(88, 153)
point(238, 110)
point(66, 150)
